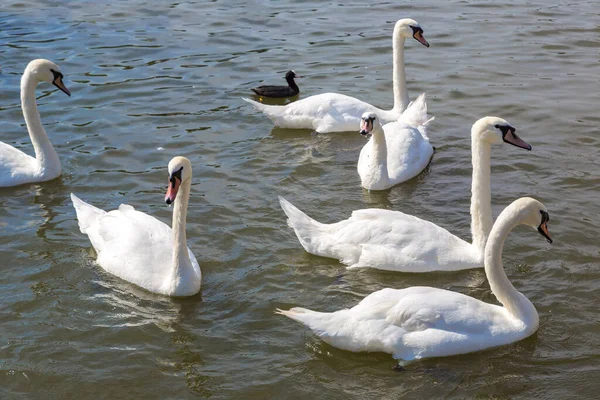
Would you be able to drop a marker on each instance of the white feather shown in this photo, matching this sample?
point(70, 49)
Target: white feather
point(423, 322)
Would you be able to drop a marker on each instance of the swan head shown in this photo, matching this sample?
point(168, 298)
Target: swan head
point(180, 170)
point(368, 122)
point(409, 28)
point(46, 71)
point(533, 213)
point(497, 130)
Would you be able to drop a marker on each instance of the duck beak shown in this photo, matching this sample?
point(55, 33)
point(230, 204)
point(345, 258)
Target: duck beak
point(59, 84)
point(543, 228)
point(418, 35)
point(172, 189)
point(512, 138)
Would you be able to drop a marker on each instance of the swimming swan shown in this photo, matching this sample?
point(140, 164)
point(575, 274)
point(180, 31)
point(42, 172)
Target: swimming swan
point(395, 241)
point(16, 167)
point(141, 249)
point(397, 151)
point(333, 112)
point(423, 322)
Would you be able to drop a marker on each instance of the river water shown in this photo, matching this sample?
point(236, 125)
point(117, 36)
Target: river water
point(151, 80)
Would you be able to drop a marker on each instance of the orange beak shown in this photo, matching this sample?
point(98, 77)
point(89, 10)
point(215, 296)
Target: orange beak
point(59, 84)
point(419, 37)
point(543, 228)
point(172, 190)
point(512, 138)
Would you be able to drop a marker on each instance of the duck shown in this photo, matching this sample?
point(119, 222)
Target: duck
point(141, 249)
point(290, 90)
point(397, 151)
point(421, 322)
point(334, 112)
point(395, 241)
point(16, 167)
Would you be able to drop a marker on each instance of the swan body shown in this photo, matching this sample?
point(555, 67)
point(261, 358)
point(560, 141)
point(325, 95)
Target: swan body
point(16, 167)
point(333, 112)
point(395, 241)
point(141, 249)
point(397, 151)
point(424, 322)
point(280, 91)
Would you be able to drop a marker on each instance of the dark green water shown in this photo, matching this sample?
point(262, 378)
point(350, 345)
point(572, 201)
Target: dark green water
point(151, 80)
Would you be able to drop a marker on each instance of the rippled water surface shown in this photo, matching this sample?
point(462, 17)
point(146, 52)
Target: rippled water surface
point(151, 80)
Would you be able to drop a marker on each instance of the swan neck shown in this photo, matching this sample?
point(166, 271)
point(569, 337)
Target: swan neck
point(481, 201)
point(379, 154)
point(399, 77)
point(181, 258)
point(514, 301)
point(45, 154)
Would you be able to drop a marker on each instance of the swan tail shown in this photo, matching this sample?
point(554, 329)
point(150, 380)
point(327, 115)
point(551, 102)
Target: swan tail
point(297, 219)
point(343, 330)
point(294, 313)
point(416, 115)
point(315, 320)
point(269, 111)
point(308, 231)
point(87, 214)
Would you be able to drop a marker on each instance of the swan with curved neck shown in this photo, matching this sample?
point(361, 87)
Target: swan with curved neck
point(16, 167)
point(333, 112)
point(423, 322)
point(397, 151)
point(395, 241)
point(141, 249)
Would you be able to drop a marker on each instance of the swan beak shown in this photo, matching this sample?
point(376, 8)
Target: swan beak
point(418, 35)
point(543, 228)
point(172, 189)
point(59, 84)
point(366, 126)
point(511, 137)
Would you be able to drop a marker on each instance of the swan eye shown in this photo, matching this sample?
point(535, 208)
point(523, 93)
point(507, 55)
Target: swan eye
point(176, 175)
point(497, 126)
point(545, 216)
point(416, 29)
point(57, 74)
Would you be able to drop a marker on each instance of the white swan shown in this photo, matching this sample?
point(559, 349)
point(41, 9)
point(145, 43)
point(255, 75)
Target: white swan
point(333, 112)
point(16, 167)
point(395, 241)
point(141, 249)
point(423, 322)
point(397, 151)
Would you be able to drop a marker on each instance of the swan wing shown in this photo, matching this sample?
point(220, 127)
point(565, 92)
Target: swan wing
point(416, 113)
point(336, 104)
point(408, 151)
point(439, 323)
point(326, 112)
point(137, 247)
point(409, 323)
point(397, 241)
point(16, 167)
point(130, 244)
point(430, 322)
point(383, 239)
